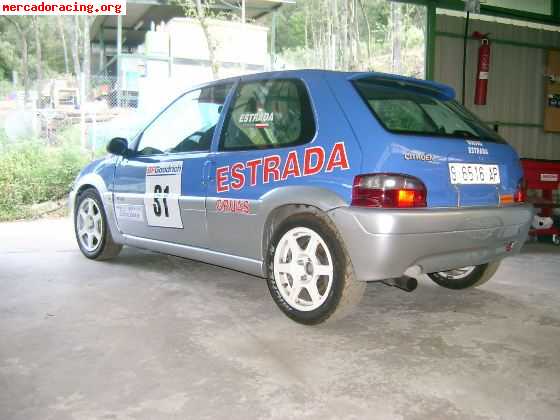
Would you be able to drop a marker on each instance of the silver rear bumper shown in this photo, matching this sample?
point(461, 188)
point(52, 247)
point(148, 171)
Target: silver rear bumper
point(387, 243)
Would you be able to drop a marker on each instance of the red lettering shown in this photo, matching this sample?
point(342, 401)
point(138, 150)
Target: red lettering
point(252, 165)
point(233, 206)
point(270, 167)
point(237, 175)
point(291, 166)
point(338, 158)
point(222, 178)
point(308, 167)
point(314, 162)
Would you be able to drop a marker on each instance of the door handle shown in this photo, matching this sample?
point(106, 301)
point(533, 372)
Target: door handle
point(207, 176)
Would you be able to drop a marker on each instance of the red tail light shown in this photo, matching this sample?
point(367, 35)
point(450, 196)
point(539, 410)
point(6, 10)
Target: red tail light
point(388, 191)
point(520, 193)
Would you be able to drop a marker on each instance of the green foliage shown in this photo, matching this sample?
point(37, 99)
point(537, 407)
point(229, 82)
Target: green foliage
point(290, 33)
point(32, 172)
point(365, 34)
point(52, 51)
point(8, 58)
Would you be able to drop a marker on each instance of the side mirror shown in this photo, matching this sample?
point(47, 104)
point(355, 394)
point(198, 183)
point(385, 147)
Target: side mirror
point(118, 146)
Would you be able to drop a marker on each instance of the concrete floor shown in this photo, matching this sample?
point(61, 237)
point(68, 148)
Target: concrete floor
point(153, 337)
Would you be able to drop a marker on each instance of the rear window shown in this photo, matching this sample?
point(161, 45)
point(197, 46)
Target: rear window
point(268, 114)
point(408, 112)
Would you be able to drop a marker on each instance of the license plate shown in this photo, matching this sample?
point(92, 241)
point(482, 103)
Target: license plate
point(473, 173)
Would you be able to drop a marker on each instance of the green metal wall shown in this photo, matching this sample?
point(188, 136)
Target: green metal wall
point(516, 83)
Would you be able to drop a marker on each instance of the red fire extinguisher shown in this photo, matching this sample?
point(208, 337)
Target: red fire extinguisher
point(483, 69)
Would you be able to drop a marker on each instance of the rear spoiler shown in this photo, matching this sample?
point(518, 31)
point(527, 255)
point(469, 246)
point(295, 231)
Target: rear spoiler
point(437, 90)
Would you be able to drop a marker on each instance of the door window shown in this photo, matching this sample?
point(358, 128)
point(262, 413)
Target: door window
point(187, 125)
point(269, 114)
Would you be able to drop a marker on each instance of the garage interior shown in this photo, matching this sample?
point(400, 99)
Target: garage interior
point(150, 336)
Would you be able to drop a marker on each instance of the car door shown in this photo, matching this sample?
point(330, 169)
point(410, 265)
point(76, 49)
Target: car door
point(268, 121)
point(160, 189)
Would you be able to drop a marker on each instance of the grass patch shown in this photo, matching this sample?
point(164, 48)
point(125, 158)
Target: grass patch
point(32, 173)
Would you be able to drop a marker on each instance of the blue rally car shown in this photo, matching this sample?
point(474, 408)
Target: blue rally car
point(317, 181)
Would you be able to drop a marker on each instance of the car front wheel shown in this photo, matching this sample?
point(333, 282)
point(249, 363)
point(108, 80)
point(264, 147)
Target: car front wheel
point(90, 226)
point(310, 274)
point(465, 277)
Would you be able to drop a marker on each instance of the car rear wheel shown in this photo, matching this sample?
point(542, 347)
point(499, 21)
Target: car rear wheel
point(465, 277)
point(310, 274)
point(90, 225)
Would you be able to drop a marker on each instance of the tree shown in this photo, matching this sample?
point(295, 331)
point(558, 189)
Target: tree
point(352, 35)
point(76, 45)
point(62, 33)
point(86, 62)
point(396, 34)
point(38, 48)
point(201, 12)
point(368, 26)
point(18, 23)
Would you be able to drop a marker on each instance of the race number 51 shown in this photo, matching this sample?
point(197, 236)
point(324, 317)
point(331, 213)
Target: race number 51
point(161, 199)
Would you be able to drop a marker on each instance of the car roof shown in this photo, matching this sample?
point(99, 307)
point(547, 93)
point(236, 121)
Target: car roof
point(429, 87)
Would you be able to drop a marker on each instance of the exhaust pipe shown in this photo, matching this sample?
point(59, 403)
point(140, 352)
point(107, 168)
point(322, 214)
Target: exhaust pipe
point(408, 284)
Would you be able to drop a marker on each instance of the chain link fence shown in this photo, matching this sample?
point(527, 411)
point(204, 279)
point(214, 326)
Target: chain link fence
point(88, 111)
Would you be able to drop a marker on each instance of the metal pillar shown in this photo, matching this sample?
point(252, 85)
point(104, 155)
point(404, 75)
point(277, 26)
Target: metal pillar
point(101, 49)
point(119, 44)
point(119, 53)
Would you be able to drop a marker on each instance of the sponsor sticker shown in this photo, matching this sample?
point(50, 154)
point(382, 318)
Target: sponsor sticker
point(171, 168)
point(549, 177)
point(426, 157)
point(274, 168)
point(260, 119)
point(233, 206)
point(130, 212)
point(163, 189)
point(475, 147)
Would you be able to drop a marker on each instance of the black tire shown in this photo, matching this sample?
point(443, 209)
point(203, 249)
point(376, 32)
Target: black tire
point(480, 275)
point(345, 293)
point(107, 247)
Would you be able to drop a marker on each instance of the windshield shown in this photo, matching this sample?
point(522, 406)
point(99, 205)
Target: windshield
point(408, 112)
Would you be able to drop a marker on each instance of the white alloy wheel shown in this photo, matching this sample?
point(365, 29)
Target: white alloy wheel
point(303, 269)
point(89, 225)
point(457, 273)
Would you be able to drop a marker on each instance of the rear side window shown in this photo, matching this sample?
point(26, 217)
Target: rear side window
point(268, 114)
point(409, 112)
